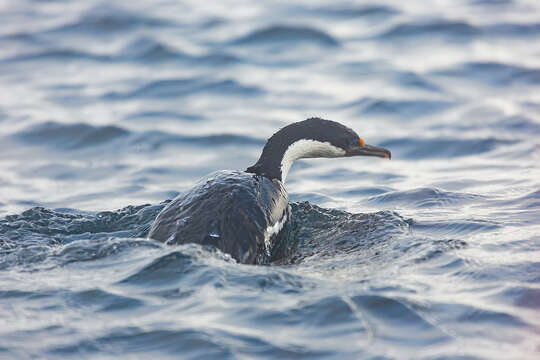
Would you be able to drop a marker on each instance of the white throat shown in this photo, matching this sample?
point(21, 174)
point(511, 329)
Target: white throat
point(307, 149)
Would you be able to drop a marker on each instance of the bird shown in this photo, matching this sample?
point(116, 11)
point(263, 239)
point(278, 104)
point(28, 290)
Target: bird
point(246, 213)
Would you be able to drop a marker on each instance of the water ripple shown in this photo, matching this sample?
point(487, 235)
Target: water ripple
point(132, 340)
point(520, 296)
point(148, 49)
point(71, 136)
point(513, 29)
point(80, 136)
point(415, 148)
point(325, 233)
point(455, 31)
point(174, 266)
point(59, 54)
point(424, 197)
point(109, 19)
point(347, 11)
point(376, 70)
point(450, 30)
point(143, 50)
point(103, 300)
point(455, 228)
point(148, 115)
point(287, 34)
point(387, 322)
point(406, 108)
point(169, 88)
point(494, 73)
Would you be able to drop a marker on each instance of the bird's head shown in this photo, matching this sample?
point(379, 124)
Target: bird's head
point(311, 138)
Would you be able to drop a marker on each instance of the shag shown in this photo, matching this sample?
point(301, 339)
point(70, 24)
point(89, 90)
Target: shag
point(244, 213)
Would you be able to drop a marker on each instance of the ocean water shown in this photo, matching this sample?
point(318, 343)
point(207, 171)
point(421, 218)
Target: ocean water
point(110, 108)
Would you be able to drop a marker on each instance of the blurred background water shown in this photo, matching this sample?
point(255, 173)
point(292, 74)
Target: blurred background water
point(122, 105)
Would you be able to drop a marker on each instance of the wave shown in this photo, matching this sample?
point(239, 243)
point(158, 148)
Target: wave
point(491, 2)
point(383, 311)
point(437, 254)
point(461, 227)
point(35, 234)
point(59, 55)
point(364, 191)
point(157, 139)
point(414, 80)
point(105, 19)
point(82, 136)
point(448, 147)
point(460, 31)
point(423, 198)
point(181, 278)
point(61, 223)
point(517, 123)
point(70, 136)
point(190, 259)
point(378, 70)
point(485, 115)
point(168, 88)
point(147, 49)
point(477, 318)
point(103, 300)
point(346, 11)
point(521, 296)
point(374, 176)
point(359, 314)
point(494, 73)
point(143, 50)
point(148, 115)
point(512, 29)
point(529, 201)
point(61, 236)
point(406, 108)
point(330, 233)
point(284, 34)
point(452, 30)
point(137, 341)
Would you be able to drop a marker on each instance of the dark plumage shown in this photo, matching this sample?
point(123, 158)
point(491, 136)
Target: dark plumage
point(230, 210)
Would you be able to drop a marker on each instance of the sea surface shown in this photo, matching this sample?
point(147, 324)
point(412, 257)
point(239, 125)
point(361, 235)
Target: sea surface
point(110, 108)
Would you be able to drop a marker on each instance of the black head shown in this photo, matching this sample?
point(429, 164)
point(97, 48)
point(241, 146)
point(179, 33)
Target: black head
point(310, 138)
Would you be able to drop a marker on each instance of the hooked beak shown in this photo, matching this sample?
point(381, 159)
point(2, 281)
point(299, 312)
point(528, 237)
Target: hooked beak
point(369, 150)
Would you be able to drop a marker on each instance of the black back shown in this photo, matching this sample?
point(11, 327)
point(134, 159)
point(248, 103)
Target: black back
point(269, 164)
point(230, 210)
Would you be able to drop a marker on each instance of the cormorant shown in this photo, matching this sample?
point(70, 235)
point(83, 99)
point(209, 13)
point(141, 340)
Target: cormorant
point(243, 213)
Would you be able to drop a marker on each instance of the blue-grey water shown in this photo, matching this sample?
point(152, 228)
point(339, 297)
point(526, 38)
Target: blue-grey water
point(110, 108)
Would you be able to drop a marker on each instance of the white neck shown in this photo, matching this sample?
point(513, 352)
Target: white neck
point(307, 149)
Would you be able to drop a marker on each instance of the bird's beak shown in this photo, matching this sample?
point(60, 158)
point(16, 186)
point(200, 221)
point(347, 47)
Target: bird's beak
point(369, 150)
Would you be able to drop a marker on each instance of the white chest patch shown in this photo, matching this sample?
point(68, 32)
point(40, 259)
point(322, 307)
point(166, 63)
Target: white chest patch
point(307, 149)
point(274, 230)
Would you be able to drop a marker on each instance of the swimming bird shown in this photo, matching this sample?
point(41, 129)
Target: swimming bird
point(244, 213)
